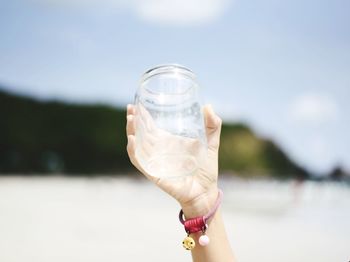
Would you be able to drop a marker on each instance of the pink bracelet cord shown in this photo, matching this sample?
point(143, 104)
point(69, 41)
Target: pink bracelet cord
point(196, 224)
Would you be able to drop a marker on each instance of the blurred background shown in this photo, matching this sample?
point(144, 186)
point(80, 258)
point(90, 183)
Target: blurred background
point(277, 72)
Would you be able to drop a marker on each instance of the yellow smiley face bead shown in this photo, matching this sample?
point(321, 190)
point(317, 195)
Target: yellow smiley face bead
point(188, 243)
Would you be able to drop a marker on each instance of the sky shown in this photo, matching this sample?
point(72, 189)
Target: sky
point(282, 67)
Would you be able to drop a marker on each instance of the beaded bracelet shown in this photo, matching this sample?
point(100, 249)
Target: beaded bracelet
point(197, 224)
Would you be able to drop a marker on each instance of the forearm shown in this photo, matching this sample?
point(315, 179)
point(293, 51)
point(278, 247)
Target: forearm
point(218, 250)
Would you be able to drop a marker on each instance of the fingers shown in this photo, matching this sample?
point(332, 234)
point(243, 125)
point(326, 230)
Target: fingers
point(130, 109)
point(130, 148)
point(131, 152)
point(212, 121)
point(213, 127)
point(130, 125)
point(130, 117)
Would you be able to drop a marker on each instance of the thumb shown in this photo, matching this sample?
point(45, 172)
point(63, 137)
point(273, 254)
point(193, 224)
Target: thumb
point(212, 127)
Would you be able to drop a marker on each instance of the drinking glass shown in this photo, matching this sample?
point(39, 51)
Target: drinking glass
point(170, 133)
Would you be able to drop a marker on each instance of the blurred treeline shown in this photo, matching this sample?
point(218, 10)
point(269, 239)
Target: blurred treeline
point(55, 137)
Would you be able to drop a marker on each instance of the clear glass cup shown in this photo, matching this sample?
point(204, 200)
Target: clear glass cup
point(170, 133)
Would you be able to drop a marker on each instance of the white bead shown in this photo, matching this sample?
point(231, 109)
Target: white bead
point(204, 240)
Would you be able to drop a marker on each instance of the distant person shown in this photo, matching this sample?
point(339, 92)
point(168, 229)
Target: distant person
point(198, 195)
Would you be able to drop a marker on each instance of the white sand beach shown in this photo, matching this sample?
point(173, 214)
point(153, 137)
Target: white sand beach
point(55, 219)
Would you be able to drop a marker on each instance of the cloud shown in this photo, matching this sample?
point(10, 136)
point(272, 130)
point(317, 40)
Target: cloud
point(314, 109)
point(181, 12)
point(163, 12)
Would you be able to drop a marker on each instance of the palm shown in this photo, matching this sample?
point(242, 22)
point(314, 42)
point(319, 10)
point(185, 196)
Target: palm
point(186, 188)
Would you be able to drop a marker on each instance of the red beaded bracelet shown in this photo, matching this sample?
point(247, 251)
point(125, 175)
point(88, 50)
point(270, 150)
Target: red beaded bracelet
point(197, 224)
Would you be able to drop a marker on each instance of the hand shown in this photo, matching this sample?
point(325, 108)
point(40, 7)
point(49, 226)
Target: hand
point(197, 193)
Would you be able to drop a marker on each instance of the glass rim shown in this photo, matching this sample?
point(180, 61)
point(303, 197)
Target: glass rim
point(167, 68)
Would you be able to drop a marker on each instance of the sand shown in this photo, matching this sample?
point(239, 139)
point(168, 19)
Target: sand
point(55, 219)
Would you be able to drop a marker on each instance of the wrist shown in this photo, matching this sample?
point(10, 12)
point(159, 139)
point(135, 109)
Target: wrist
point(201, 204)
point(195, 221)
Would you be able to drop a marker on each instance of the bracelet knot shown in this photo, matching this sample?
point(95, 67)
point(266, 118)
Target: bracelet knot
point(194, 225)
